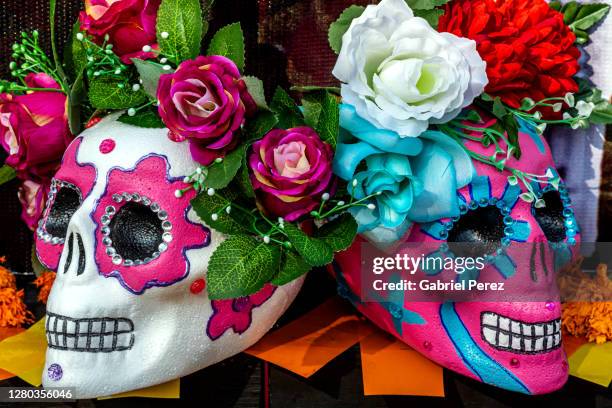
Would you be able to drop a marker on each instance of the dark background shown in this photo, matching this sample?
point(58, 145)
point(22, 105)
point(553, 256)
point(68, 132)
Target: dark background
point(286, 44)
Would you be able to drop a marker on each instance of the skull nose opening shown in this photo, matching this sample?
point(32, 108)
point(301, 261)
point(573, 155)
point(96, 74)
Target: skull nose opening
point(75, 254)
point(69, 254)
point(81, 266)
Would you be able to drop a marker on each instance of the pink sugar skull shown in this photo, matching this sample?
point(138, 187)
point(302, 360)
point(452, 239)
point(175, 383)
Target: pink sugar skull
point(129, 308)
point(514, 345)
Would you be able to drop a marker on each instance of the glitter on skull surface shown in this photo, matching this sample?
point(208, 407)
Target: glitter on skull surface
point(509, 344)
point(122, 314)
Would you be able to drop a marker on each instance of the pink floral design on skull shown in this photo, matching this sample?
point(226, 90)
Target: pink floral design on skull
point(70, 186)
point(136, 227)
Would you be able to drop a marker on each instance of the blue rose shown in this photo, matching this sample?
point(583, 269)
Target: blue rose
point(409, 179)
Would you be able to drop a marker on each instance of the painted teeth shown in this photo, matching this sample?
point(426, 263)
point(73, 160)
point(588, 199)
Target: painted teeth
point(520, 337)
point(92, 335)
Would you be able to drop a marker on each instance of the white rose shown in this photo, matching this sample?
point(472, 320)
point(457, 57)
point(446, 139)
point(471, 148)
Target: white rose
point(401, 74)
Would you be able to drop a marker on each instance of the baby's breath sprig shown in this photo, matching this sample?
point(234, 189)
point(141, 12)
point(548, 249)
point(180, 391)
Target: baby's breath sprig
point(491, 136)
point(102, 62)
point(330, 208)
point(27, 58)
point(577, 117)
point(267, 230)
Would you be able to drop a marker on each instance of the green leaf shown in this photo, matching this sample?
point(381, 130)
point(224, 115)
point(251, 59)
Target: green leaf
point(328, 127)
point(75, 58)
point(499, 110)
point(486, 97)
point(149, 73)
point(205, 206)
point(425, 4)
point(312, 108)
point(287, 111)
point(555, 5)
point(7, 173)
point(229, 42)
point(145, 119)
point(240, 266)
point(221, 174)
point(182, 20)
point(339, 233)
point(582, 37)
point(589, 15)
point(311, 88)
point(292, 266)
point(431, 16)
point(256, 90)
point(602, 114)
point(321, 112)
point(314, 251)
point(473, 116)
point(511, 127)
point(106, 94)
point(259, 125)
point(244, 178)
point(75, 99)
point(341, 25)
point(569, 11)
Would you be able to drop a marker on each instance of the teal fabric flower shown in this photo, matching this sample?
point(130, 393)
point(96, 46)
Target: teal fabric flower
point(410, 179)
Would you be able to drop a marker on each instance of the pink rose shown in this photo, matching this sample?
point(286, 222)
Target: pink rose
point(32, 196)
point(291, 170)
point(34, 132)
point(34, 129)
point(129, 24)
point(206, 102)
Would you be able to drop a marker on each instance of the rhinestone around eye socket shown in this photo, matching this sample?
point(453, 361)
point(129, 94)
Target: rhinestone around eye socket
point(110, 211)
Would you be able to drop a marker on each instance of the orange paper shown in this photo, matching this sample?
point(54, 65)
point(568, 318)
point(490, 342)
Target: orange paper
point(390, 367)
point(310, 342)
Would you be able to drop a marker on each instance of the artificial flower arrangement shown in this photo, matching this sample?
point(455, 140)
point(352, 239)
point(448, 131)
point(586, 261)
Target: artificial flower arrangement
point(273, 177)
point(427, 87)
point(266, 169)
point(449, 72)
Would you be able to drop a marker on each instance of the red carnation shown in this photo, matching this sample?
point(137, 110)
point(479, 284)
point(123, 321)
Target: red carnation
point(529, 51)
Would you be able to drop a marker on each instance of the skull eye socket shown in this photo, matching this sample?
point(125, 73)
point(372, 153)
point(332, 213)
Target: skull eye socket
point(551, 217)
point(482, 228)
point(64, 199)
point(136, 232)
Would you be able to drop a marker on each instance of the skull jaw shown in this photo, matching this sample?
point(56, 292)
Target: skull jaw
point(168, 344)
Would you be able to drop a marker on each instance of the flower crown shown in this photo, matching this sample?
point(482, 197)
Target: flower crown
point(291, 183)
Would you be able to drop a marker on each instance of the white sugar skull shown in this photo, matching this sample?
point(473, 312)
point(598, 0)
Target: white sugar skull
point(129, 307)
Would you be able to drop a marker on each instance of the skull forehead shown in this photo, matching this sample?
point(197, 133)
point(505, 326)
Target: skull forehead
point(535, 158)
point(128, 145)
